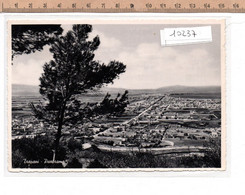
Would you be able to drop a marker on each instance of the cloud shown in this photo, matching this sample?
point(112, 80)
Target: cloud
point(152, 66)
point(28, 68)
point(109, 47)
point(148, 64)
point(105, 41)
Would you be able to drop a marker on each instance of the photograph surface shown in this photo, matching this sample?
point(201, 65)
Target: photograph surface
point(107, 95)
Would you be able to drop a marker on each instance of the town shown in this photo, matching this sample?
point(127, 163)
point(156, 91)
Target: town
point(151, 121)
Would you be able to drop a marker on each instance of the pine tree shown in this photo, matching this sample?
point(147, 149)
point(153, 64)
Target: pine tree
point(73, 71)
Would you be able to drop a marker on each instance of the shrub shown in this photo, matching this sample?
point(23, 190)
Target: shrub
point(212, 156)
point(74, 144)
point(34, 149)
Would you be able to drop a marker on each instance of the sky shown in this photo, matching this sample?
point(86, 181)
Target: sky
point(148, 64)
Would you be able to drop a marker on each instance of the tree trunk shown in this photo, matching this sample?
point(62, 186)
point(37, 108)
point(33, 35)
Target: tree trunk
point(60, 124)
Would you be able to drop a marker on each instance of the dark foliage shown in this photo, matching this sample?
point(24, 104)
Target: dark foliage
point(213, 155)
point(113, 106)
point(96, 164)
point(36, 149)
point(74, 144)
point(71, 152)
point(27, 39)
point(74, 163)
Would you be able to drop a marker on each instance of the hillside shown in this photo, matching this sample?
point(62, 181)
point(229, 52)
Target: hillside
point(29, 90)
point(190, 89)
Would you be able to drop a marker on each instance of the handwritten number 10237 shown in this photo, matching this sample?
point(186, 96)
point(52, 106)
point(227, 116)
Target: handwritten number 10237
point(184, 33)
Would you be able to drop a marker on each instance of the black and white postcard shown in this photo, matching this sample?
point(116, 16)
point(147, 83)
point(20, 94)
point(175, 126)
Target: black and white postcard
point(116, 95)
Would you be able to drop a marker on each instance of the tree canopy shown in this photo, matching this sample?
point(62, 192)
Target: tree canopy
point(27, 39)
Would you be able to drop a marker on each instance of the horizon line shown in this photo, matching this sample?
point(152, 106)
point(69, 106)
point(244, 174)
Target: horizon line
point(139, 88)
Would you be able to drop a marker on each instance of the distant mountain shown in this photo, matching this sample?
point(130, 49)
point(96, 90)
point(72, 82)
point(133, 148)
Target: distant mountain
point(168, 90)
point(30, 90)
point(190, 89)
